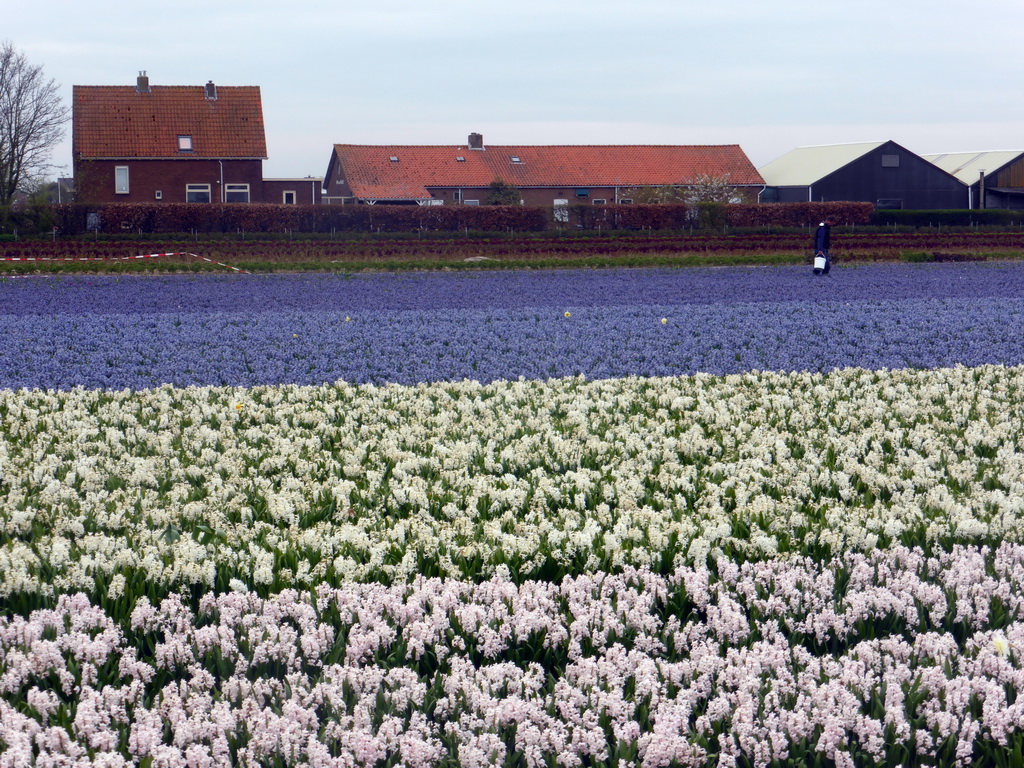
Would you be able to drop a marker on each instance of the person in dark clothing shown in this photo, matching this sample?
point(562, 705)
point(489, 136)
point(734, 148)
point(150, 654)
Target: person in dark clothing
point(821, 243)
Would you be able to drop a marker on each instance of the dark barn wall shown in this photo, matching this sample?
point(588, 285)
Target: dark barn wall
point(1011, 175)
point(793, 195)
point(891, 173)
point(1010, 178)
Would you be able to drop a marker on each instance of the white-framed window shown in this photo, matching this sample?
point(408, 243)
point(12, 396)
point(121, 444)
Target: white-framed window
point(197, 193)
point(561, 210)
point(625, 200)
point(121, 179)
point(184, 143)
point(599, 201)
point(236, 193)
point(471, 202)
point(288, 197)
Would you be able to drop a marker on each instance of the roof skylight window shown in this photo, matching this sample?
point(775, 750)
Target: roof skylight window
point(394, 158)
point(516, 159)
point(460, 159)
point(184, 143)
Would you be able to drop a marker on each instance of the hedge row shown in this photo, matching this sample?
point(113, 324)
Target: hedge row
point(156, 218)
point(719, 215)
point(798, 214)
point(191, 217)
point(984, 218)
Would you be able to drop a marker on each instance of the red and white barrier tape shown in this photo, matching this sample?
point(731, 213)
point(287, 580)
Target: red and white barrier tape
point(120, 258)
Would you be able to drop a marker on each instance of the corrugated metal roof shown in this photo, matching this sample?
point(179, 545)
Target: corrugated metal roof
point(805, 166)
point(967, 166)
point(372, 174)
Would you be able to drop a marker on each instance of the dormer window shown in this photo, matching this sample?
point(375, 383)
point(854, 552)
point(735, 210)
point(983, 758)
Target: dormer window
point(184, 143)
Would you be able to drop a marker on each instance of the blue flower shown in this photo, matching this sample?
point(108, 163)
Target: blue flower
point(138, 332)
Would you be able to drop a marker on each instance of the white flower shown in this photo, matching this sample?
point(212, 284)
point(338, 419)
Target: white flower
point(116, 588)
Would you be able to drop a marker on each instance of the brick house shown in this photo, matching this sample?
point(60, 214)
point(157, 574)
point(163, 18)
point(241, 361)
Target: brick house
point(544, 175)
point(306, 190)
point(174, 144)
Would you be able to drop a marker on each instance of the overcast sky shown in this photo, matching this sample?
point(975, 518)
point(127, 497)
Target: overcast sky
point(932, 75)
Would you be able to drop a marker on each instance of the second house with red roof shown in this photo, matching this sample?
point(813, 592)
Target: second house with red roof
point(543, 175)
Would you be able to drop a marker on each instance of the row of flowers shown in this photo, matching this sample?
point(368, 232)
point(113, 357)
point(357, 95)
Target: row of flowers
point(890, 658)
point(245, 331)
point(383, 246)
point(379, 292)
point(138, 493)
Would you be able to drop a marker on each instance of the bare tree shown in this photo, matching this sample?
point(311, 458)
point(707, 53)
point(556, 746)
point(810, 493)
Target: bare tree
point(32, 118)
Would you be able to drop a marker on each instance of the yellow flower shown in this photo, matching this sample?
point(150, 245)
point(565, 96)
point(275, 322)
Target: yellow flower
point(295, 335)
point(238, 406)
point(664, 321)
point(347, 318)
point(1001, 644)
point(568, 314)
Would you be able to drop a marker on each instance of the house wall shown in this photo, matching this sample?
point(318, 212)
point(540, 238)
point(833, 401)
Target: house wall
point(911, 183)
point(307, 191)
point(94, 179)
point(336, 188)
point(542, 196)
point(545, 196)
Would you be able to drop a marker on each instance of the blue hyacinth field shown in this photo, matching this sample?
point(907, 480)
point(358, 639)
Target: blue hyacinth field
point(242, 330)
point(658, 518)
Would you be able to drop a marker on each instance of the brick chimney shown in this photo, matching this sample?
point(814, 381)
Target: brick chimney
point(142, 84)
point(211, 91)
point(476, 141)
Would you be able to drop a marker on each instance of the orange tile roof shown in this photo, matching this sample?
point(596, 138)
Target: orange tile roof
point(119, 122)
point(372, 175)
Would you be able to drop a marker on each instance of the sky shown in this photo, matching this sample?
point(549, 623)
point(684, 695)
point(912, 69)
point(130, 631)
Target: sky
point(933, 76)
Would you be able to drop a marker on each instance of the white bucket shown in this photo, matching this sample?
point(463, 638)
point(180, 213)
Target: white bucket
point(819, 263)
